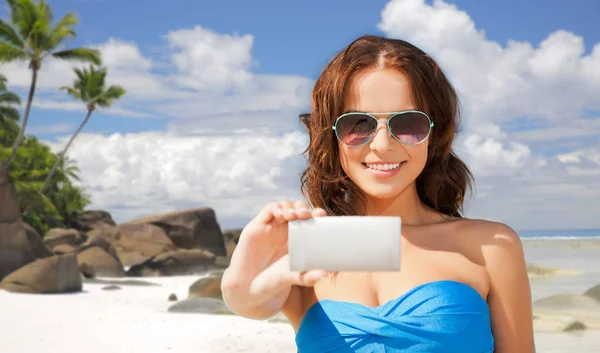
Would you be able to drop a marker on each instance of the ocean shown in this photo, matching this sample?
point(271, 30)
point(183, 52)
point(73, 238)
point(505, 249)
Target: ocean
point(559, 233)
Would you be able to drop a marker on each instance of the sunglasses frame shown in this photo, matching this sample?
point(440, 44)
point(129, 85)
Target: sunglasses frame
point(387, 121)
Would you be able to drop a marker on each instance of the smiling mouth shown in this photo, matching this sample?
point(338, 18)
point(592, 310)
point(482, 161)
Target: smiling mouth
point(382, 166)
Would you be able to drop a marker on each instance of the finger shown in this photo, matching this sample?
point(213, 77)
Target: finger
point(266, 215)
point(302, 209)
point(289, 211)
point(318, 212)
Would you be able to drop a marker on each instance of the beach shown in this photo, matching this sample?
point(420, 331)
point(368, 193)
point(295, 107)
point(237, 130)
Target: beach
point(118, 317)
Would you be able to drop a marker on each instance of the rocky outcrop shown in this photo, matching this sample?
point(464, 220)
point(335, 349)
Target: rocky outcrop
point(231, 238)
point(177, 262)
point(55, 274)
point(207, 287)
point(93, 219)
point(15, 246)
point(190, 229)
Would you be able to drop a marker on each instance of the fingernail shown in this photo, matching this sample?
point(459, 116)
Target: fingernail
point(277, 211)
point(289, 210)
point(304, 210)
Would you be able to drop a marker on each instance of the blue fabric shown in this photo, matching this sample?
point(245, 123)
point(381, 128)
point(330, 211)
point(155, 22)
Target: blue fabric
point(442, 316)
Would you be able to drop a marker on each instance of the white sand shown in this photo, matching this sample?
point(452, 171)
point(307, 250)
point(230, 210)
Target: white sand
point(135, 318)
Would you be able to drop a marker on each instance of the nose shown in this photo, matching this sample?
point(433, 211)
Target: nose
point(382, 141)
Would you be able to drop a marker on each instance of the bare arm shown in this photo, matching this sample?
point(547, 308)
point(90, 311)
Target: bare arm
point(258, 281)
point(509, 298)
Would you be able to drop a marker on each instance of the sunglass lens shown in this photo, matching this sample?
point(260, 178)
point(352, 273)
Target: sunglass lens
point(410, 128)
point(355, 129)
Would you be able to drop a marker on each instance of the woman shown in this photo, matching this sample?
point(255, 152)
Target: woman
point(463, 285)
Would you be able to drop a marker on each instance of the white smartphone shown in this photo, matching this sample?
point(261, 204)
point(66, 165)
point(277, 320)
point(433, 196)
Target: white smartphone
point(345, 243)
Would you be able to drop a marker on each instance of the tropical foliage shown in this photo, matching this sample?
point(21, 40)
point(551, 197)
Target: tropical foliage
point(90, 88)
point(30, 37)
point(62, 201)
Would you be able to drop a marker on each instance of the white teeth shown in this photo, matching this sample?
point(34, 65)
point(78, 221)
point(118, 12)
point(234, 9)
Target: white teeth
point(383, 166)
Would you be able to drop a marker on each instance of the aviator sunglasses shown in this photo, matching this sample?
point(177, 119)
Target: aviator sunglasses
point(410, 127)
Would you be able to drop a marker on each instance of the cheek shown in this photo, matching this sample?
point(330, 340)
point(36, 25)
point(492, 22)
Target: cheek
point(418, 154)
point(349, 157)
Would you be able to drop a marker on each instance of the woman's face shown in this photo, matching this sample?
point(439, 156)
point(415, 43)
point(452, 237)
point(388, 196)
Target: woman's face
point(386, 90)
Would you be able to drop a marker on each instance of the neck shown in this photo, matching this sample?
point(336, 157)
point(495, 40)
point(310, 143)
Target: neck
point(407, 205)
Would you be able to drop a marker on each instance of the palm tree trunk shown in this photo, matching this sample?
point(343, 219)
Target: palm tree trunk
point(25, 117)
point(61, 154)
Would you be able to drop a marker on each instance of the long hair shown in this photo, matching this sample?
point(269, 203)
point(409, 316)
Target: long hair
point(443, 182)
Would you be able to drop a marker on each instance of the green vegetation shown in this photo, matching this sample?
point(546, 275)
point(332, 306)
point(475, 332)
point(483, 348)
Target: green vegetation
point(45, 181)
point(30, 37)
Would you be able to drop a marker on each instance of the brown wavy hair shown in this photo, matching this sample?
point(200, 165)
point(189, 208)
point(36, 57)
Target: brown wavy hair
point(445, 179)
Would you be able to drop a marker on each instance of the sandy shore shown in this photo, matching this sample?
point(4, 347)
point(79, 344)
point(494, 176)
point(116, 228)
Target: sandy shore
point(135, 318)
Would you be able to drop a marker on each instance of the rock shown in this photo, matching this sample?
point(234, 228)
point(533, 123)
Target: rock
point(87, 270)
point(62, 236)
point(15, 247)
point(35, 241)
point(98, 241)
point(173, 297)
point(104, 264)
point(63, 249)
point(177, 262)
point(231, 238)
point(567, 311)
point(111, 288)
point(89, 220)
point(207, 287)
point(135, 243)
point(593, 292)
point(191, 229)
point(200, 306)
point(55, 274)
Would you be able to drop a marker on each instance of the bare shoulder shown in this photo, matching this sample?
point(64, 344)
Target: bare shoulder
point(509, 297)
point(492, 237)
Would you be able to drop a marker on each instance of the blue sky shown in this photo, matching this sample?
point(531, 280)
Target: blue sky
point(539, 128)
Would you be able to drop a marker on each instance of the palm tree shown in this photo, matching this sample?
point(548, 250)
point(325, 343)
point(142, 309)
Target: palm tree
point(90, 88)
point(7, 113)
point(32, 38)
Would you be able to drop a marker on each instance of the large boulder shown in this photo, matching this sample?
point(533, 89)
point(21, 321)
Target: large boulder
point(176, 262)
point(135, 243)
point(593, 292)
point(35, 241)
point(15, 247)
point(61, 236)
point(102, 263)
point(55, 274)
point(89, 220)
point(231, 238)
point(207, 287)
point(191, 229)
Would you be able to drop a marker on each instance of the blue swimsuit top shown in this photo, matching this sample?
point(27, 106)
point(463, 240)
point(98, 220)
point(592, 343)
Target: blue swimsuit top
point(442, 316)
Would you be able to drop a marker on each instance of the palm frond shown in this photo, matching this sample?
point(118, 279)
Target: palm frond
point(8, 35)
point(10, 53)
point(80, 54)
point(61, 31)
point(72, 92)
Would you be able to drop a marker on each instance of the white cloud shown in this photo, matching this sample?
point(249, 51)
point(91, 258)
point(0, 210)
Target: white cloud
point(152, 172)
point(550, 84)
point(211, 61)
point(500, 83)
